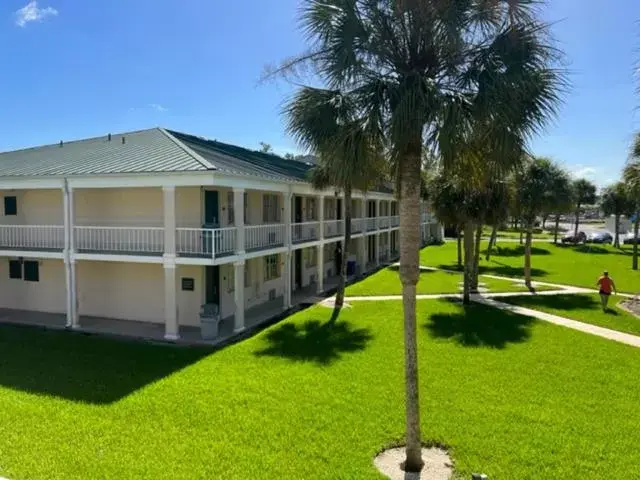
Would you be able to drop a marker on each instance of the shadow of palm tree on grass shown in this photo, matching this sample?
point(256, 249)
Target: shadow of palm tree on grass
point(564, 302)
point(480, 326)
point(598, 250)
point(515, 251)
point(315, 341)
point(498, 269)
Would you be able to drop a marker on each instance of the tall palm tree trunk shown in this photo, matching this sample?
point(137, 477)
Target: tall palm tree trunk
point(521, 235)
point(527, 256)
point(409, 275)
point(492, 241)
point(575, 233)
point(555, 234)
point(636, 227)
point(345, 257)
point(544, 220)
point(468, 263)
point(616, 236)
point(476, 259)
point(459, 231)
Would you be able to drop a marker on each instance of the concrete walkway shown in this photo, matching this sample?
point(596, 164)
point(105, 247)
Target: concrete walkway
point(490, 300)
point(614, 335)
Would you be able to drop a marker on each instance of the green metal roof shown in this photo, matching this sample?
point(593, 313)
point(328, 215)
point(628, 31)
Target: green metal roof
point(150, 151)
point(145, 151)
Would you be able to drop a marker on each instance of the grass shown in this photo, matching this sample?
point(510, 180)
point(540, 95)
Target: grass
point(514, 233)
point(571, 265)
point(510, 396)
point(584, 308)
point(387, 282)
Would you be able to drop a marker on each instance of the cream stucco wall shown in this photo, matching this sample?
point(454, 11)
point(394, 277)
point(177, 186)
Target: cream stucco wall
point(135, 291)
point(35, 207)
point(46, 295)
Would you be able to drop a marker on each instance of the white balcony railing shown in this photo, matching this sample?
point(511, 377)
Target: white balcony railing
point(305, 232)
point(356, 225)
point(395, 221)
point(32, 237)
point(206, 242)
point(383, 222)
point(333, 228)
point(371, 223)
point(143, 240)
point(258, 237)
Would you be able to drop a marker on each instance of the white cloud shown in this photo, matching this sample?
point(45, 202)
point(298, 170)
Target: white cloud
point(580, 171)
point(157, 107)
point(32, 13)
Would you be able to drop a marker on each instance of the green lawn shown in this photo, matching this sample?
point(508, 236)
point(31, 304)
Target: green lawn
point(585, 308)
point(387, 282)
point(570, 265)
point(512, 233)
point(511, 397)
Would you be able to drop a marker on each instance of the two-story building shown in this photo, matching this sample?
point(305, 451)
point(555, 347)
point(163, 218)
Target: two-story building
point(133, 233)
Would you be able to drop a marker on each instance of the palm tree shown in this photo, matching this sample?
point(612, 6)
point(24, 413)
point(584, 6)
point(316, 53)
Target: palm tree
point(430, 72)
point(615, 201)
point(584, 193)
point(631, 175)
point(561, 199)
point(327, 122)
point(535, 184)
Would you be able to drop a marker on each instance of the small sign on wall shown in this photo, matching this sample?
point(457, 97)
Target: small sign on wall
point(188, 284)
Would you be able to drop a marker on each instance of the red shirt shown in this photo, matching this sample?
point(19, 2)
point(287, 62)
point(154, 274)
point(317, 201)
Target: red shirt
point(606, 284)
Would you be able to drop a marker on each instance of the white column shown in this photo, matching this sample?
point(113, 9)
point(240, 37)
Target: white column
point(238, 215)
point(169, 201)
point(286, 273)
point(171, 327)
point(320, 247)
point(69, 258)
point(363, 245)
point(320, 267)
point(321, 216)
point(288, 255)
point(238, 325)
point(288, 198)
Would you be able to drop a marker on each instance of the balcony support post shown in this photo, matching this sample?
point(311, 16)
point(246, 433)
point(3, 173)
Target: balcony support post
point(238, 209)
point(169, 210)
point(69, 257)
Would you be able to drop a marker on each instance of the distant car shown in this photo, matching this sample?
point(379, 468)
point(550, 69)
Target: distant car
point(580, 238)
point(630, 239)
point(600, 237)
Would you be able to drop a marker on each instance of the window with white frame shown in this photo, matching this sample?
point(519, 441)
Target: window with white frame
point(311, 208)
point(231, 218)
point(271, 267)
point(270, 208)
point(310, 257)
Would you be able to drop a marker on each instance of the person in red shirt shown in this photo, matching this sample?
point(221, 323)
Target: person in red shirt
point(606, 286)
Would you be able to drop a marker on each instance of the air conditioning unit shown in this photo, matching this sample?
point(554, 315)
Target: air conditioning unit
point(272, 294)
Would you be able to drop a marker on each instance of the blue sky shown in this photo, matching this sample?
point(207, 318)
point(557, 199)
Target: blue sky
point(74, 69)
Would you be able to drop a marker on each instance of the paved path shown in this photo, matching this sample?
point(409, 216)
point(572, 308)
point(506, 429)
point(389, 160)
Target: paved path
point(490, 299)
point(614, 335)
